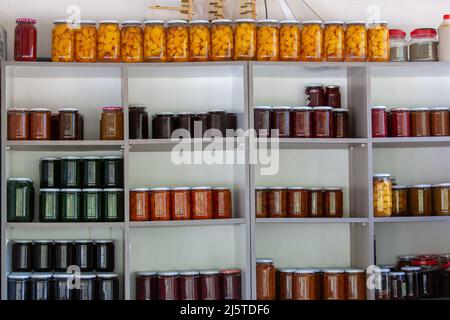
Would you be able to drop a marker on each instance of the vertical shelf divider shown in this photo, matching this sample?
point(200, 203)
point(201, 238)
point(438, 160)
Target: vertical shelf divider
point(3, 248)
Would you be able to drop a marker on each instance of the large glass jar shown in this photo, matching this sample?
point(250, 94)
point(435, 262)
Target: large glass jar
point(312, 41)
point(280, 119)
point(199, 41)
point(277, 202)
point(378, 42)
point(356, 41)
point(108, 286)
point(412, 282)
point(420, 122)
point(111, 123)
point(306, 284)
point(146, 285)
point(245, 39)
point(440, 121)
point(334, 284)
point(399, 122)
point(290, 33)
point(285, 284)
point(340, 123)
point(63, 41)
point(104, 255)
point(315, 95)
point(297, 202)
point(217, 120)
point(71, 205)
point(230, 284)
point(301, 119)
point(163, 125)
point(63, 254)
point(140, 204)
point(112, 172)
point(168, 285)
point(22, 253)
point(399, 201)
point(441, 199)
point(382, 195)
point(382, 284)
point(201, 200)
point(189, 285)
point(221, 200)
point(49, 205)
point(154, 41)
point(399, 46)
point(355, 284)
point(333, 205)
point(86, 42)
point(334, 41)
point(138, 120)
point(262, 121)
point(50, 172)
point(71, 172)
point(68, 123)
point(91, 200)
point(109, 41)
point(18, 124)
point(185, 121)
point(25, 38)
point(40, 124)
point(19, 286)
point(267, 40)
point(177, 41)
point(84, 255)
point(398, 285)
point(131, 41)
point(424, 45)
point(43, 256)
point(113, 205)
point(315, 202)
point(333, 96)
point(20, 200)
point(265, 279)
point(210, 285)
point(180, 203)
point(262, 201)
point(323, 122)
point(379, 122)
point(61, 291)
point(419, 200)
point(160, 204)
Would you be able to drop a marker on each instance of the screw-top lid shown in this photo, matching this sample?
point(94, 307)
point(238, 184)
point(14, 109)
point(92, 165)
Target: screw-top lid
point(61, 21)
point(262, 107)
point(107, 275)
point(86, 276)
point(286, 270)
point(91, 190)
point(171, 114)
point(153, 22)
point(441, 185)
point(314, 85)
point(189, 273)
point(264, 260)
point(43, 241)
point(381, 175)
point(113, 190)
point(19, 276)
point(307, 270)
point(64, 241)
point(62, 275)
point(221, 21)
point(41, 275)
point(181, 189)
point(20, 179)
point(92, 158)
point(160, 189)
point(423, 33)
point(50, 159)
point(281, 108)
point(302, 108)
point(146, 273)
point(289, 22)
point(399, 186)
point(112, 108)
point(406, 257)
point(397, 33)
point(420, 109)
point(245, 21)
point(104, 241)
point(354, 270)
point(168, 273)
point(17, 109)
point(440, 109)
point(379, 107)
point(170, 22)
point(131, 22)
point(209, 272)
point(109, 22)
point(340, 110)
point(22, 241)
point(409, 269)
point(296, 188)
point(399, 109)
point(357, 22)
point(396, 274)
point(68, 110)
point(202, 188)
point(140, 189)
point(40, 110)
point(112, 158)
point(420, 186)
point(268, 21)
point(333, 270)
point(333, 22)
point(84, 241)
point(26, 20)
point(88, 22)
point(322, 108)
point(71, 158)
point(230, 271)
point(312, 22)
point(199, 22)
point(71, 190)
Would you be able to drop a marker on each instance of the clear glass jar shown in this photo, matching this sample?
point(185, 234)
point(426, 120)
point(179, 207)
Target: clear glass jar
point(267, 40)
point(111, 123)
point(63, 42)
point(131, 41)
point(441, 197)
point(440, 121)
point(68, 122)
point(399, 46)
point(323, 122)
point(245, 39)
point(333, 205)
point(140, 204)
point(420, 122)
point(382, 195)
point(334, 41)
point(109, 41)
point(262, 201)
point(25, 38)
point(399, 122)
point(160, 204)
point(379, 122)
point(289, 34)
point(424, 45)
point(356, 41)
point(154, 41)
point(199, 41)
point(399, 201)
point(86, 42)
point(177, 41)
point(378, 42)
point(301, 122)
point(40, 124)
point(312, 41)
point(18, 124)
point(419, 200)
point(265, 279)
point(221, 40)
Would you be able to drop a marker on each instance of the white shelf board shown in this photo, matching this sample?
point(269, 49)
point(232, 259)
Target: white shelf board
point(72, 145)
point(409, 69)
point(186, 223)
point(165, 145)
point(412, 219)
point(311, 220)
point(411, 142)
point(312, 143)
point(60, 225)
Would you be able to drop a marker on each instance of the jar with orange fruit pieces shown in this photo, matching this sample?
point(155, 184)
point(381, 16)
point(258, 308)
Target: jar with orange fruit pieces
point(131, 41)
point(378, 35)
point(86, 42)
point(154, 41)
point(108, 41)
point(222, 41)
point(63, 42)
point(245, 39)
point(356, 41)
point(177, 41)
point(199, 41)
point(267, 40)
point(334, 41)
point(311, 48)
point(289, 40)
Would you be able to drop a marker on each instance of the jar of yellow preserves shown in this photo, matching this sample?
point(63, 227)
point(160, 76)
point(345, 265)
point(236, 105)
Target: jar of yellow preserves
point(382, 195)
point(108, 41)
point(154, 41)
point(378, 46)
point(356, 42)
point(222, 41)
point(131, 41)
point(289, 33)
point(267, 40)
point(199, 41)
point(177, 42)
point(86, 42)
point(245, 39)
point(312, 41)
point(63, 42)
point(334, 41)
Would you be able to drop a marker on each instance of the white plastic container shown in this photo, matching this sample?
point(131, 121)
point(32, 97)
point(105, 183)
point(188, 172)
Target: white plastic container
point(444, 39)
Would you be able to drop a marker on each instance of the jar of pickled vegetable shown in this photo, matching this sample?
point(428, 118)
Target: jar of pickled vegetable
point(25, 38)
point(131, 41)
point(199, 41)
point(177, 41)
point(222, 40)
point(20, 200)
point(111, 123)
point(109, 41)
point(356, 41)
point(201, 199)
point(267, 40)
point(419, 200)
point(154, 41)
point(378, 42)
point(91, 200)
point(86, 42)
point(261, 200)
point(312, 41)
point(140, 204)
point(334, 41)
point(180, 203)
point(112, 172)
point(289, 40)
point(245, 39)
point(70, 172)
point(160, 204)
point(382, 195)
point(40, 124)
point(221, 200)
point(441, 197)
point(399, 201)
point(63, 42)
point(18, 124)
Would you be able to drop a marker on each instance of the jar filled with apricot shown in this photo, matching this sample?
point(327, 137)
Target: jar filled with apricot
point(222, 40)
point(154, 41)
point(289, 40)
point(63, 41)
point(86, 42)
point(177, 41)
point(199, 41)
point(267, 40)
point(312, 41)
point(334, 41)
point(245, 39)
point(356, 41)
point(131, 39)
point(109, 41)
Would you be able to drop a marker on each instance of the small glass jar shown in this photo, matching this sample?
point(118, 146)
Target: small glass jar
point(424, 45)
point(301, 119)
point(290, 33)
point(419, 200)
point(356, 41)
point(412, 282)
point(378, 42)
point(154, 41)
point(334, 41)
point(217, 120)
point(63, 254)
point(19, 286)
point(405, 261)
point(42, 256)
point(232, 119)
point(91, 172)
point(230, 282)
point(201, 201)
point(222, 204)
point(281, 121)
point(41, 286)
point(113, 205)
point(420, 122)
point(245, 39)
point(323, 122)
point(68, 122)
point(201, 120)
point(399, 122)
point(355, 284)
point(379, 122)
point(86, 42)
point(210, 285)
point(262, 121)
point(399, 201)
point(267, 40)
point(315, 95)
point(138, 120)
point(312, 41)
point(334, 284)
point(441, 199)
point(315, 202)
point(333, 96)
point(112, 172)
point(399, 46)
point(18, 124)
point(49, 205)
point(25, 39)
point(71, 205)
point(146, 285)
point(333, 205)
point(265, 279)
point(382, 195)
point(398, 285)
point(184, 123)
point(382, 284)
point(163, 125)
point(71, 172)
point(61, 291)
point(285, 282)
point(88, 290)
point(160, 204)
point(108, 286)
point(168, 285)
point(22, 253)
point(297, 202)
point(199, 41)
point(108, 41)
point(63, 41)
point(84, 255)
point(104, 255)
point(50, 172)
point(180, 203)
point(177, 41)
point(340, 123)
point(440, 121)
point(189, 285)
point(20, 200)
point(131, 41)
point(277, 202)
point(140, 204)
point(262, 202)
point(111, 123)
point(307, 284)
point(40, 124)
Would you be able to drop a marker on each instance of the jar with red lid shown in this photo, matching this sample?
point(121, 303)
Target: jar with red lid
point(231, 284)
point(297, 199)
point(189, 285)
point(379, 122)
point(444, 261)
point(140, 204)
point(221, 200)
point(424, 45)
point(333, 203)
point(68, 123)
point(262, 123)
point(25, 38)
point(399, 47)
point(333, 96)
point(262, 201)
point(168, 285)
point(399, 122)
point(18, 124)
point(180, 203)
point(440, 121)
point(160, 204)
point(40, 124)
point(281, 121)
point(277, 202)
point(201, 200)
point(315, 202)
point(111, 123)
point(301, 122)
point(315, 95)
point(323, 122)
point(420, 122)
point(210, 285)
point(405, 261)
point(146, 286)
point(340, 123)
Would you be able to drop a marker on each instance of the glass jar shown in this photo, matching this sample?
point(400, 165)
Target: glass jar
point(140, 204)
point(301, 119)
point(378, 42)
point(112, 172)
point(20, 200)
point(277, 202)
point(379, 122)
point(168, 285)
point(113, 205)
point(210, 285)
point(138, 120)
point(199, 41)
point(312, 41)
point(91, 172)
point(185, 121)
point(160, 204)
point(84, 255)
point(323, 122)
point(221, 203)
point(40, 124)
point(356, 41)
point(25, 38)
point(355, 284)
point(109, 41)
point(444, 261)
point(63, 254)
point(306, 284)
point(399, 46)
point(424, 45)
point(285, 283)
point(405, 261)
point(189, 285)
point(281, 121)
point(104, 255)
point(86, 42)
point(61, 291)
point(163, 125)
point(441, 199)
point(265, 279)
point(445, 283)
point(420, 122)
point(297, 202)
point(217, 119)
point(333, 96)
point(42, 256)
point(290, 33)
point(71, 172)
point(154, 41)
point(262, 121)
point(71, 205)
point(315, 95)
point(382, 195)
point(18, 124)
point(231, 121)
point(334, 284)
point(22, 253)
point(398, 285)
point(230, 282)
point(63, 41)
point(267, 40)
point(177, 41)
point(333, 205)
point(131, 41)
point(315, 201)
point(262, 201)
point(382, 284)
point(245, 39)
point(399, 201)
point(334, 41)
point(41, 286)
point(440, 121)
point(419, 200)
point(91, 205)
point(111, 123)
point(429, 275)
point(68, 123)
point(19, 286)
point(412, 282)
point(49, 205)
point(201, 203)
point(340, 123)
point(108, 286)
point(399, 122)
point(88, 291)
point(54, 126)
point(146, 285)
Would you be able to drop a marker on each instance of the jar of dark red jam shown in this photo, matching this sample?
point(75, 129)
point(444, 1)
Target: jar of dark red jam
point(315, 95)
point(18, 124)
point(231, 284)
point(40, 124)
point(297, 202)
point(210, 285)
point(146, 286)
point(168, 285)
point(440, 121)
point(340, 123)
point(333, 96)
point(68, 122)
point(301, 122)
point(217, 120)
point(163, 125)
point(160, 204)
point(221, 200)
point(262, 202)
point(333, 203)
point(323, 122)
point(400, 122)
point(200, 124)
point(138, 119)
point(379, 122)
point(265, 279)
point(285, 281)
point(185, 121)
point(262, 121)
point(420, 122)
point(25, 38)
point(180, 203)
point(281, 121)
point(189, 285)
point(355, 284)
point(201, 201)
point(277, 202)
point(315, 202)
point(140, 204)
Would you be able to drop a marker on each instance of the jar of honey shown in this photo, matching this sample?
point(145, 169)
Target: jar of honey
point(222, 40)
point(356, 41)
point(245, 39)
point(154, 41)
point(131, 41)
point(177, 41)
point(267, 40)
point(86, 42)
point(109, 41)
point(18, 124)
point(199, 41)
point(63, 42)
point(334, 41)
point(289, 40)
point(312, 41)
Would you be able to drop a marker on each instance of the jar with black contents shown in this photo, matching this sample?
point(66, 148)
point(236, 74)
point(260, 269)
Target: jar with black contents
point(91, 200)
point(412, 275)
point(382, 284)
point(22, 256)
point(340, 123)
point(185, 121)
point(19, 286)
point(398, 285)
point(20, 200)
point(230, 284)
point(138, 119)
point(54, 126)
point(301, 122)
point(92, 172)
point(281, 121)
point(107, 286)
point(200, 124)
point(61, 290)
point(63, 254)
point(163, 124)
point(71, 172)
point(333, 96)
point(71, 205)
point(323, 122)
point(262, 121)
point(315, 95)
point(41, 288)
point(189, 285)
point(104, 255)
point(88, 291)
point(113, 205)
point(429, 276)
point(210, 285)
point(146, 285)
point(84, 255)
point(50, 172)
point(168, 285)
point(49, 205)
point(231, 120)
point(112, 172)
point(43, 256)
point(217, 119)
point(68, 123)
point(445, 283)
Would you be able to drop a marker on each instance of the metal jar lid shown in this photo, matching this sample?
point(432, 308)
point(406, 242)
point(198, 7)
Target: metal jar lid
point(264, 260)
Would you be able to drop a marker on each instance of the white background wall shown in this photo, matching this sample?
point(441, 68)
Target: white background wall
point(401, 13)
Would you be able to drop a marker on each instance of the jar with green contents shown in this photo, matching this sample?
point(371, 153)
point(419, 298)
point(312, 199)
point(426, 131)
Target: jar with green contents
point(92, 172)
point(71, 205)
point(91, 200)
point(20, 200)
point(50, 171)
point(49, 205)
point(71, 172)
point(113, 205)
point(113, 172)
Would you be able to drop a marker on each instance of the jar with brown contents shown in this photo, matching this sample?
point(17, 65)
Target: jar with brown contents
point(356, 41)
point(265, 279)
point(154, 41)
point(86, 42)
point(180, 203)
point(222, 41)
point(334, 41)
point(419, 200)
point(221, 199)
point(262, 201)
point(245, 39)
point(382, 195)
point(399, 201)
point(111, 123)
point(333, 284)
point(201, 201)
point(297, 202)
point(18, 124)
point(420, 122)
point(440, 121)
point(199, 41)
point(40, 124)
point(306, 284)
point(140, 204)
point(131, 40)
point(333, 203)
point(160, 204)
point(177, 41)
point(277, 202)
point(267, 40)
point(68, 124)
point(355, 284)
point(312, 41)
point(441, 199)
point(315, 202)
point(290, 33)
point(285, 284)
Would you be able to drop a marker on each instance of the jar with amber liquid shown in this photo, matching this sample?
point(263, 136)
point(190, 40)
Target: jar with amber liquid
point(289, 40)
point(356, 42)
point(86, 42)
point(267, 40)
point(18, 124)
point(441, 199)
point(399, 201)
point(154, 41)
point(131, 41)
point(222, 41)
point(312, 41)
point(63, 42)
point(245, 39)
point(334, 41)
point(199, 41)
point(382, 195)
point(177, 41)
point(378, 42)
point(108, 41)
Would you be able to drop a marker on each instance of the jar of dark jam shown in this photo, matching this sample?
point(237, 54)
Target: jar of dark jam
point(231, 120)
point(379, 122)
point(333, 203)
point(140, 204)
point(41, 288)
point(445, 283)
point(185, 121)
point(281, 121)
point(334, 284)
point(391, 267)
point(277, 202)
point(138, 119)
point(297, 202)
point(340, 123)
point(315, 201)
point(107, 286)
point(210, 285)
point(333, 96)
point(262, 121)
point(43, 256)
point(399, 200)
point(49, 205)
point(50, 172)
point(201, 203)
point(429, 276)
point(111, 123)
point(71, 205)
point(18, 124)
point(20, 200)
point(168, 285)
point(440, 121)
point(146, 285)
point(405, 261)
point(163, 125)
point(262, 202)
point(40, 124)
point(399, 122)
point(180, 203)
point(444, 261)
point(230, 280)
point(19, 286)
point(355, 284)
point(113, 205)
point(160, 204)
point(419, 200)
point(68, 123)
point(307, 284)
point(412, 275)
point(200, 124)
point(63, 254)
point(441, 197)
point(91, 200)
point(265, 279)
point(315, 95)
point(285, 283)
point(61, 290)
point(112, 172)
point(25, 39)
point(92, 172)
point(323, 122)
point(382, 284)
point(217, 119)
point(54, 124)
point(84, 255)
point(22, 256)
point(301, 122)
point(71, 172)
point(104, 255)
point(88, 290)
point(189, 285)
point(420, 122)
point(398, 285)
point(222, 204)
